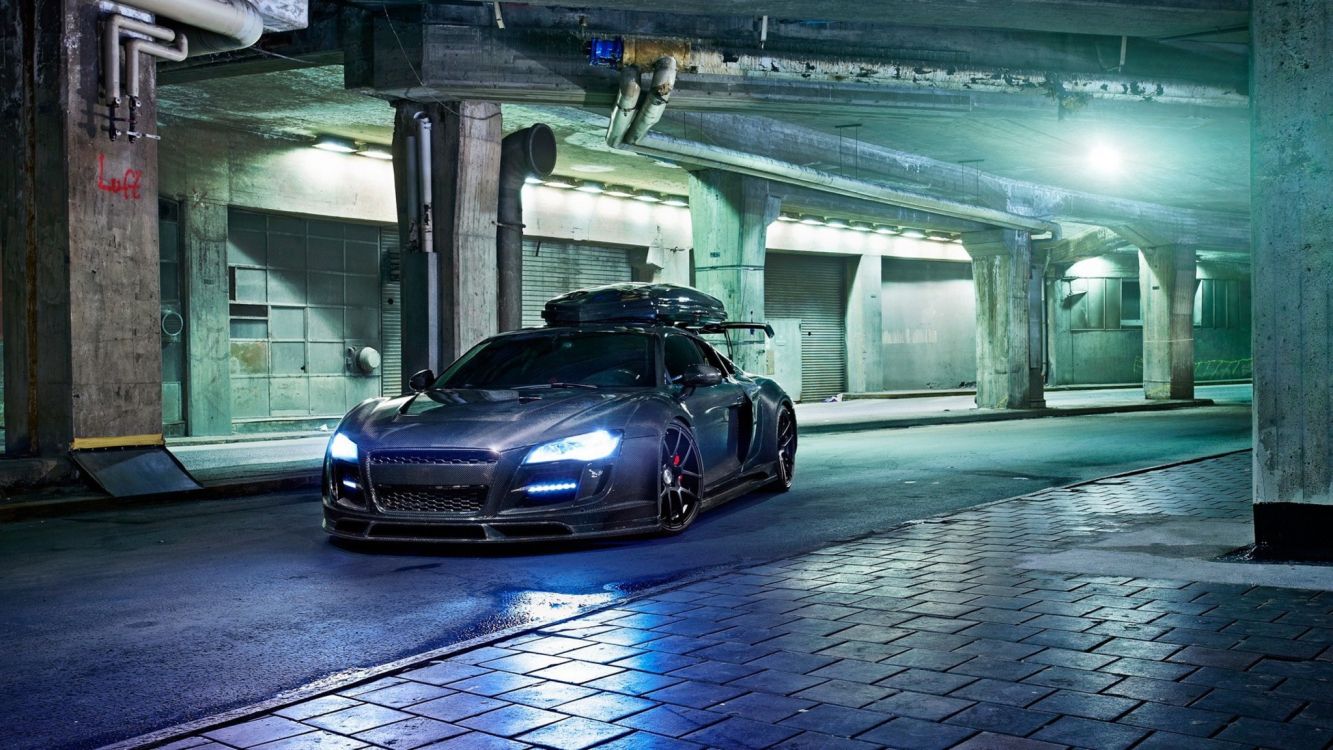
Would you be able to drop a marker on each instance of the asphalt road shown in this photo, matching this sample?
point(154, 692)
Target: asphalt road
point(119, 623)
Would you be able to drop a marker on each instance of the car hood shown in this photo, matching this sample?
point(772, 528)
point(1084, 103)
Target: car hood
point(492, 419)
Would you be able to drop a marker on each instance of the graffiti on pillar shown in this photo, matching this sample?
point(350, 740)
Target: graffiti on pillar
point(126, 186)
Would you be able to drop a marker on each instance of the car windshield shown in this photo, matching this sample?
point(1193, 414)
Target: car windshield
point(557, 359)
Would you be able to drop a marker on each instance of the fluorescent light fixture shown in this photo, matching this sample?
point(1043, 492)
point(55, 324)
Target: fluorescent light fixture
point(532, 180)
point(812, 221)
point(915, 234)
point(881, 229)
point(936, 237)
point(860, 227)
point(837, 223)
point(616, 191)
point(558, 182)
point(376, 152)
point(335, 144)
point(786, 217)
point(590, 446)
point(647, 198)
point(342, 448)
point(1105, 159)
point(676, 200)
point(594, 188)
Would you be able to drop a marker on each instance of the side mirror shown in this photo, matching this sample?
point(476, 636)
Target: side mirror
point(701, 376)
point(421, 380)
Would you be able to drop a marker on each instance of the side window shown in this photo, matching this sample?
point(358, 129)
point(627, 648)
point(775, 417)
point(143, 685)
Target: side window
point(681, 352)
point(717, 360)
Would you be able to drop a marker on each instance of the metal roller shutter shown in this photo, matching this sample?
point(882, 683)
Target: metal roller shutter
point(552, 268)
point(391, 313)
point(813, 289)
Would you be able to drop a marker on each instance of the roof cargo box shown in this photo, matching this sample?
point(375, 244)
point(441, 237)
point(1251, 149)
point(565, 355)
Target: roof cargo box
point(635, 303)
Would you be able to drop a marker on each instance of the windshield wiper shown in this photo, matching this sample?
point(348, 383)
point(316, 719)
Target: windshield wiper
point(584, 386)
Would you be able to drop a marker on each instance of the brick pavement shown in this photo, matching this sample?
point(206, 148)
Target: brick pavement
point(928, 636)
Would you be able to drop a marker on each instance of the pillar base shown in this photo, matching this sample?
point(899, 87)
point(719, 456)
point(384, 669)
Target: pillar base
point(1293, 531)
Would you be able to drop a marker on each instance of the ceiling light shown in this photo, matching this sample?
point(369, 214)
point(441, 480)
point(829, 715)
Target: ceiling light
point(837, 223)
point(786, 217)
point(590, 187)
point(1105, 160)
point(881, 229)
point(532, 180)
point(860, 227)
point(558, 182)
point(376, 152)
point(915, 234)
point(647, 198)
point(619, 192)
point(811, 221)
point(676, 200)
point(335, 144)
point(938, 237)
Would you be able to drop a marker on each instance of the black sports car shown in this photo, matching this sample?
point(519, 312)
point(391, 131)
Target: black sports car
point(617, 418)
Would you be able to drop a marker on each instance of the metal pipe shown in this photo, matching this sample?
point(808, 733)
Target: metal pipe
point(139, 47)
point(434, 303)
point(116, 24)
point(425, 176)
point(664, 81)
point(627, 106)
point(230, 24)
point(704, 155)
point(527, 153)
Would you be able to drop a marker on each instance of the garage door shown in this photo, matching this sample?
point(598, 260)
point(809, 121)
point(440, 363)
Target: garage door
point(813, 290)
point(552, 268)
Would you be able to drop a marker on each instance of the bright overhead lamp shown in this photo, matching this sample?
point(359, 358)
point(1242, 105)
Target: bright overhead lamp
point(619, 192)
point(837, 223)
point(530, 180)
point(558, 182)
point(594, 188)
point(812, 221)
point(647, 198)
point(858, 226)
point(675, 200)
point(938, 237)
point(881, 229)
point(786, 217)
point(376, 152)
point(1105, 160)
point(915, 234)
point(335, 144)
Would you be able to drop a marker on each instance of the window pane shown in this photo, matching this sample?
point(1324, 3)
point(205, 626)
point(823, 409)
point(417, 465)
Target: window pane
point(1131, 309)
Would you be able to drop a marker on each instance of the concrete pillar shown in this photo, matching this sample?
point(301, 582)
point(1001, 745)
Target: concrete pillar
point(1292, 226)
point(203, 186)
point(865, 325)
point(449, 290)
point(1009, 319)
point(729, 216)
point(1166, 292)
point(83, 358)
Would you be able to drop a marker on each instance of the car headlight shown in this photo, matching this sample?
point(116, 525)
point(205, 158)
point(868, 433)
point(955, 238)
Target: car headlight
point(342, 448)
point(590, 446)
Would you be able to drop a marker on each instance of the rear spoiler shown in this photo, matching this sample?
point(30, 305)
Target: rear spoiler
point(724, 327)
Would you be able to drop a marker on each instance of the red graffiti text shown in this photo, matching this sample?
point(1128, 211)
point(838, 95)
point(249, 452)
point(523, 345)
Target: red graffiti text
point(126, 186)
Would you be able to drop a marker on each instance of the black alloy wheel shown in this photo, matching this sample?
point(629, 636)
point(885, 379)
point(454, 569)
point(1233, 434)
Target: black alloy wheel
point(680, 480)
point(786, 450)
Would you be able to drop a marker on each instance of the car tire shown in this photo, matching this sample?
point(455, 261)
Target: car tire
point(785, 448)
point(679, 479)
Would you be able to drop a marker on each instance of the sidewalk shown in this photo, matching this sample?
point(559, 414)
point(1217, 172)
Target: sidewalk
point(251, 463)
point(1093, 616)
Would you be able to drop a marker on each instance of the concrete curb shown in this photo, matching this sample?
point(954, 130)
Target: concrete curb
point(53, 507)
point(968, 417)
point(353, 677)
point(882, 395)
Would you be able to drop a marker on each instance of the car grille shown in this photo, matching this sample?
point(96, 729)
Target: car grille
point(427, 457)
point(418, 499)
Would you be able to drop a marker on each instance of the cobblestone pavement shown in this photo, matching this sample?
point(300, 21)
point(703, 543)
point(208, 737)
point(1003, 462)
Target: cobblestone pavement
point(928, 636)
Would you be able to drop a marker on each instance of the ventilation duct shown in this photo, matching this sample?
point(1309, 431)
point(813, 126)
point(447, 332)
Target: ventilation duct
point(529, 152)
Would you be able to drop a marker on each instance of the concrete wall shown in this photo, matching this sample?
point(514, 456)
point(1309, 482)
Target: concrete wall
point(930, 325)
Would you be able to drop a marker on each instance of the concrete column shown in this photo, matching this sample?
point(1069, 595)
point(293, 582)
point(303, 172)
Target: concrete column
point(1292, 226)
point(729, 216)
point(450, 297)
point(1166, 292)
point(865, 325)
point(83, 355)
point(1009, 319)
point(203, 185)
